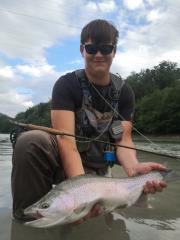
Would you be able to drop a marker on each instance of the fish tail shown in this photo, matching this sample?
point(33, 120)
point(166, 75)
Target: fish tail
point(170, 175)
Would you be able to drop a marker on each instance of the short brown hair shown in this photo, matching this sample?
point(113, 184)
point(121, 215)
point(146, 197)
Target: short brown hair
point(100, 31)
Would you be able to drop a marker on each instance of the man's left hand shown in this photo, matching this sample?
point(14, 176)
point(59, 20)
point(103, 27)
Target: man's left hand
point(154, 186)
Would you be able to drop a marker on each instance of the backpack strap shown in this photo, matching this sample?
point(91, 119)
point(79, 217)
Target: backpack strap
point(117, 84)
point(87, 98)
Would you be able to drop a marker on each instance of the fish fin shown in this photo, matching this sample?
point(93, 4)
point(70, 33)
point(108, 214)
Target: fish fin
point(45, 222)
point(122, 206)
point(80, 209)
point(170, 175)
point(142, 201)
point(108, 220)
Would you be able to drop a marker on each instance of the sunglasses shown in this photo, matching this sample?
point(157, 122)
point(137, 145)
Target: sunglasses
point(104, 49)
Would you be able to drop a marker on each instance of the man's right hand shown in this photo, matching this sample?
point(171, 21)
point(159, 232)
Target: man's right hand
point(95, 211)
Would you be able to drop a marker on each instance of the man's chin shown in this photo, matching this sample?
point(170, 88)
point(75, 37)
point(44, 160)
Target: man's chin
point(100, 70)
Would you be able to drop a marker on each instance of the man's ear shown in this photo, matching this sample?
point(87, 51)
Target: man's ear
point(82, 50)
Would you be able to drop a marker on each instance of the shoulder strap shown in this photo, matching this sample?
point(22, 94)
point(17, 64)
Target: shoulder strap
point(118, 83)
point(87, 99)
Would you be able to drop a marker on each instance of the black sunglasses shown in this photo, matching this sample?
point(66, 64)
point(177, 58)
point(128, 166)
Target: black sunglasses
point(92, 48)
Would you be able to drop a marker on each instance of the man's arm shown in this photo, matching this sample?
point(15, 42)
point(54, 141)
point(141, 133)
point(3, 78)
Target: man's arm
point(64, 121)
point(127, 157)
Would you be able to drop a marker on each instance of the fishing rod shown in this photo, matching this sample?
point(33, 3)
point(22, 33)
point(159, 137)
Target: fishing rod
point(57, 132)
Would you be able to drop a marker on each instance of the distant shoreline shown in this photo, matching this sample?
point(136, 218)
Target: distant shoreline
point(158, 138)
point(154, 138)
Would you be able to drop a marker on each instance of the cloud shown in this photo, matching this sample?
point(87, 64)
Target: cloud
point(6, 72)
point(154, 16)
point(29, 31)
point(155, 39)
point(12, 101)
point(149, 33)
point(29, 85)
point(107, 6)
point(133, 4)
point(36, 71)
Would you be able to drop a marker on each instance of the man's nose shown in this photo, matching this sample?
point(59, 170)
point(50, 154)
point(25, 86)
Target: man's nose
point(99, 54)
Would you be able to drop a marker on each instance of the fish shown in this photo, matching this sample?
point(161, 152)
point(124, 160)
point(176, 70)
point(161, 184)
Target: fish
point(72, 199)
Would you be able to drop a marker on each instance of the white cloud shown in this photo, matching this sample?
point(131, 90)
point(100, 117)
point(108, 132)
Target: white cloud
point(127, 62)
point(29, 30)
point(133, 4)
point(92, 6)
point(6, 72)
point(107, 6)
point(149, 33)
point(145, 45)
point(30, 85)
point(11, 101)
point(36, 71)
point(153, 2)
point(153, 15)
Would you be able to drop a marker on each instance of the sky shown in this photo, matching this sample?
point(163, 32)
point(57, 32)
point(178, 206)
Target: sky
point(39, 42)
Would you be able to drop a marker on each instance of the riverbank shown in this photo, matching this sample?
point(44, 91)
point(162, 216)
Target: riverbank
point(158, 138)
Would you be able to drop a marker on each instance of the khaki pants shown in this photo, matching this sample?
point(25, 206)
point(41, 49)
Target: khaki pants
point(36, 167)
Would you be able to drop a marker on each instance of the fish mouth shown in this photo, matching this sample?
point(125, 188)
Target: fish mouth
point(33, 214)
point(39, 215)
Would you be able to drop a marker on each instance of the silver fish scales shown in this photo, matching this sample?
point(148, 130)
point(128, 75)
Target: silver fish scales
point(72, 199)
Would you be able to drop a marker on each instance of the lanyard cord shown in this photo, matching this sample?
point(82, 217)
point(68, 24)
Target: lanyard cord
point(115, 111)
point(157, 147)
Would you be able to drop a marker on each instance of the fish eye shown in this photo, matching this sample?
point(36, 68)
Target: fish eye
point(44, 205)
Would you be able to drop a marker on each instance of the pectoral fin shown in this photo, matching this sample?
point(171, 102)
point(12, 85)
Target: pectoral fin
point(109, 220)
point(80, 209)
point(142, 201)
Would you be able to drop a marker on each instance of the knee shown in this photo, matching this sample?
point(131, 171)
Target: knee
point(31, 141)
point(33, 146)
point(34, 136)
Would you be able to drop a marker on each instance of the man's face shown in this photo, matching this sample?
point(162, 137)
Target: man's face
point(100, 60)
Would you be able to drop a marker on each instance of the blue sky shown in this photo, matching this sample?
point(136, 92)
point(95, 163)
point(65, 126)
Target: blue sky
point(40, 41)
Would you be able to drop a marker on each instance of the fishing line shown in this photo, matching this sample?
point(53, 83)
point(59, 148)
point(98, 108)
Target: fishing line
point(118, 112)
point(159, 148)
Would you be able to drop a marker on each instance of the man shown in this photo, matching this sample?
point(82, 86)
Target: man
point(90, 103)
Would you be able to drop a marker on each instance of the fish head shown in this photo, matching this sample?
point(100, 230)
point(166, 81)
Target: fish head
point(51, 206)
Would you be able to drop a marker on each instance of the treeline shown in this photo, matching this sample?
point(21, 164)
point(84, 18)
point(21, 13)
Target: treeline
point(157, 94)
point(39, 115)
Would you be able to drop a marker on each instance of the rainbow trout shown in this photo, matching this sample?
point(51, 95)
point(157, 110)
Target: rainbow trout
point(72, 199)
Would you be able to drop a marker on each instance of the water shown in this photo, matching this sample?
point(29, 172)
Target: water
point(161, 220)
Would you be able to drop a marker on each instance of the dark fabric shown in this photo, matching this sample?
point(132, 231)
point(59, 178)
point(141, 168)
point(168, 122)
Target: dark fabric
point(94, 124)
point(67, 95)
point(36, 166)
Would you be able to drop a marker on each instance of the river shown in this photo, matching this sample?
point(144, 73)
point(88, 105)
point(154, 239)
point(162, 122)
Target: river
point(161, 220)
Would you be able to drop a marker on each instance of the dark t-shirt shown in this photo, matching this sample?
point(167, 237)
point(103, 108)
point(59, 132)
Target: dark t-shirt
point(67, 95)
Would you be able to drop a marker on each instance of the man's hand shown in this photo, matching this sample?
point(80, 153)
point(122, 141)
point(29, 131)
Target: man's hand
point(154, 186)
point(95, 211)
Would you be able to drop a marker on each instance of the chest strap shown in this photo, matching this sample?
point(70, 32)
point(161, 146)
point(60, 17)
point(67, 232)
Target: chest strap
point(117, 84)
